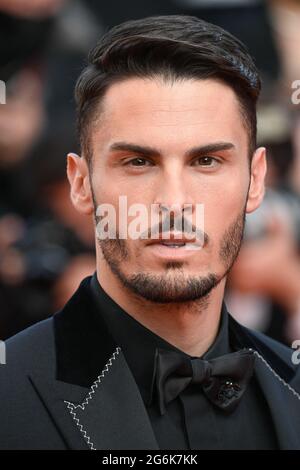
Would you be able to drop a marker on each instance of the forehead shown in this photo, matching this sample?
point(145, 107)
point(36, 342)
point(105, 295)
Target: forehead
point(165, 113)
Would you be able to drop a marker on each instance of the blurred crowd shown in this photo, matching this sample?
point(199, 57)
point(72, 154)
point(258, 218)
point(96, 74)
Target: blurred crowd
point(46, 247)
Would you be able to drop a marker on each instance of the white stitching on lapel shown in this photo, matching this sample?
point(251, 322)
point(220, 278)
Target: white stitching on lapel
point(85, 436)
point(291, 389)
point(72, 407)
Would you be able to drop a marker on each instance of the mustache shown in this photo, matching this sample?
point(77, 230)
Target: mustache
point(178, 224)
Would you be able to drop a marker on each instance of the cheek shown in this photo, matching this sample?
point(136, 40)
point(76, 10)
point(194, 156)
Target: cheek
point(106, 190)
point(222, 205)
point(120, 198)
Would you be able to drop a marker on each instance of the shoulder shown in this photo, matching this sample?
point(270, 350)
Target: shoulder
point(30, 350)
point(278, 356)
point(24, 419)
point(289, 356)
point(280, 349)
point(35, 348)
point(243, 337)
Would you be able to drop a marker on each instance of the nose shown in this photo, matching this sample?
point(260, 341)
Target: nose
point(172, 193)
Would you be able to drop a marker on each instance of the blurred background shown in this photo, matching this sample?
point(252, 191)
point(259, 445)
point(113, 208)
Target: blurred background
point(45, 247)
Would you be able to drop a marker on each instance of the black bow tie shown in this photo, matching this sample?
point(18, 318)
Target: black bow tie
point(223, 380)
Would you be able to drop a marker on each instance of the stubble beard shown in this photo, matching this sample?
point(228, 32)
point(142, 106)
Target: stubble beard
point(174, 285)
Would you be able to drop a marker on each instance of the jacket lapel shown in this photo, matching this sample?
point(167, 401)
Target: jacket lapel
point(52, 394)
point(284, 404)
point(110, 415)
point(273, 374)
point(92, 395)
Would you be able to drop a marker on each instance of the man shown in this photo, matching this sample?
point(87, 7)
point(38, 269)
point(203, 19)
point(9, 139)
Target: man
point(145, 354)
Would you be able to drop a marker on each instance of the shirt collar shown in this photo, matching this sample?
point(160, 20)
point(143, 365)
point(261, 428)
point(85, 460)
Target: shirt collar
point(139, 344)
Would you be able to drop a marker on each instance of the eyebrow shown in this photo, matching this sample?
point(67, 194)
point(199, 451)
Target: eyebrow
point(151, 151)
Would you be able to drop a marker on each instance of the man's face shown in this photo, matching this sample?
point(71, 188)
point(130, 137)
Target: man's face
point(169, 145)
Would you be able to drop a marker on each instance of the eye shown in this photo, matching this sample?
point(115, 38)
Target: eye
point(138, 162)
point(206, 161)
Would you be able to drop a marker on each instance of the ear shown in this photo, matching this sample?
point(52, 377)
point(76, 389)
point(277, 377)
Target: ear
point(78, 176)
point(257, 182)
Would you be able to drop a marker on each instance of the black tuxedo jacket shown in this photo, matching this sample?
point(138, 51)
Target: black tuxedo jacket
point(66, 385)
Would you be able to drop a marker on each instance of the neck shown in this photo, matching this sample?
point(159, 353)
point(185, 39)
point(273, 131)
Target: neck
point(190, 326)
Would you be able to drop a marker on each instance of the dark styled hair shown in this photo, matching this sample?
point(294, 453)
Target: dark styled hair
point(173, 47)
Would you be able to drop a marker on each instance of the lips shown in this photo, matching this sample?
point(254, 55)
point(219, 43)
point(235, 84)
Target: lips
point(172, 244)
point(172, 240)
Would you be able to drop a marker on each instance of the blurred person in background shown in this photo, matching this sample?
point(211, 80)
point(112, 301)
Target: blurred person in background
point(25, 30)
point(264, 285)
point(266, 276)
point(38, 249)
point(38, 241)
